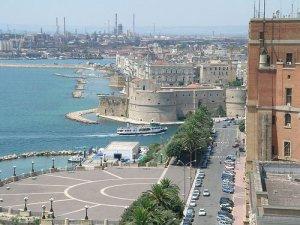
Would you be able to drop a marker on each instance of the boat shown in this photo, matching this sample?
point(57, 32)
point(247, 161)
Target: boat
point(75, 159)
point(153, 128)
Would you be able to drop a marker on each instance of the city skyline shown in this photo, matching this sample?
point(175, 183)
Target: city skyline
point(78, 13)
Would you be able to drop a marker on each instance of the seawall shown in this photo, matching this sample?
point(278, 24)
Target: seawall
point(79, 116)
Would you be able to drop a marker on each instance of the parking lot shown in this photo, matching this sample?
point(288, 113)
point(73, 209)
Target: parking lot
point(107, 193)
point(212, 181)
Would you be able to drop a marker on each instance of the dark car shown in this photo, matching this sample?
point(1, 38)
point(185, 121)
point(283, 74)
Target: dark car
point(225, 199)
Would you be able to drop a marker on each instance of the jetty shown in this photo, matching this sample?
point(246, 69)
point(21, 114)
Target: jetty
point(79, 116)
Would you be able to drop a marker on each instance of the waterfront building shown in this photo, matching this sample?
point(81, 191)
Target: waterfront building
point(117, 150)
point(149, 102)
point(273, 105)
point(160, 72)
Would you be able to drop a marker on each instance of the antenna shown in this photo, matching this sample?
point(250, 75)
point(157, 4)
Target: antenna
point(254, 9)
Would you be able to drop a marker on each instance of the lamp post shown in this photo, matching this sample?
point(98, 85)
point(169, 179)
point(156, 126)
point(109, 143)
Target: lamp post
point(80, 162)
point(86, 212)
point(25, 204)
point(161, 158)
point(32, 167)
point(184, 178)
point(51, 206)
point(53, 166)
point(133, 158)
point(14, 174)
point(43, 212)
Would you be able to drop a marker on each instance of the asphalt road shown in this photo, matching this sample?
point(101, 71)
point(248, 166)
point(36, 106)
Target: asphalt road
point(212, 180)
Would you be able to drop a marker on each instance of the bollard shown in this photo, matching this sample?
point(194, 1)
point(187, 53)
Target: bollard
point(105, 222)
point(67, 222)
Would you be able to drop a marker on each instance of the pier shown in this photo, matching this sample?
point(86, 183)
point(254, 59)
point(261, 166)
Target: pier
point(79, 116)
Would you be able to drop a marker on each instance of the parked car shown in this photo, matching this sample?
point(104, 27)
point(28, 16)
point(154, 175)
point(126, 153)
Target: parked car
point(193, 203)
point(195, 196)
point(198, 183)
point(228, 190)
point(206, 193)
point(225, 199)
point(202, 212)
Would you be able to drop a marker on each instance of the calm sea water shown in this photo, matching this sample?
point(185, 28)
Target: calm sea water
point(33, 103)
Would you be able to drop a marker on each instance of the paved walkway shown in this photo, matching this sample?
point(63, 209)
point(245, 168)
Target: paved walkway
point(239, 210)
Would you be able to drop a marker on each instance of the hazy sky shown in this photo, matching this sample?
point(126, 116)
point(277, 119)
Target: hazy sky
point(161, 12)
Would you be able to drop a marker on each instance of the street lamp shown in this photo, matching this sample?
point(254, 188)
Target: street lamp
point(14, 174)
point(43, 212)
point(51, 206)
point(25, 204)
point(133, 158)
point(161, 158)
point(86, 212)
point(184, 178)
point(53, 159)
point(80, 162)
point(32, 167)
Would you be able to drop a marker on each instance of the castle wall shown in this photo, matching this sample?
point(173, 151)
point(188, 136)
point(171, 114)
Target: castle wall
point(112, 106)
point(152, 106)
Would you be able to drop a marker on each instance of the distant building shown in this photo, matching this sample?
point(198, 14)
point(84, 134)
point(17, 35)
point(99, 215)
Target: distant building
point(6, 46)
point(218, 73)
point(274, 194)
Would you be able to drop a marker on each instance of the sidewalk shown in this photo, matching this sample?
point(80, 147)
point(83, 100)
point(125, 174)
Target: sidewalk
point(239, 210)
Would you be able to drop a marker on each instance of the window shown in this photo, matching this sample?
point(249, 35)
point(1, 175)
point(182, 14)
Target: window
point(289, 77)
point(287, 120)
point(273, 119)
point(289, 58)
point(287, 148)
point(288, 96)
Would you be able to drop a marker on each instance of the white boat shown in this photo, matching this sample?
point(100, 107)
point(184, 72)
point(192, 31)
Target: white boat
point(153, 128)
point(75, 159)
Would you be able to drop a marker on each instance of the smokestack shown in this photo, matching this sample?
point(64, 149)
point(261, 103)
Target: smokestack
point(133, 24)
point(116, 24)
point(57, 26)
point(64, 26)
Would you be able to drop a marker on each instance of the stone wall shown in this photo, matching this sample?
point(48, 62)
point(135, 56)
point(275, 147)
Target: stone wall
point(112, 106)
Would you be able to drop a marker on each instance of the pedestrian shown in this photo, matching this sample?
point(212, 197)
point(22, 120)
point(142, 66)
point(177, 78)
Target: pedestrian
point(220, 161)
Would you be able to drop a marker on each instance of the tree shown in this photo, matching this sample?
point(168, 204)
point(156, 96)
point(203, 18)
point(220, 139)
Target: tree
point(220, 111)
point(242, 126)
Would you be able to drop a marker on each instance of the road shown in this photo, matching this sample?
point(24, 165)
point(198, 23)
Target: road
point(212, 180)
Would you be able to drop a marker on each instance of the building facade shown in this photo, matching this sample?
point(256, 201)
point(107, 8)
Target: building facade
point(273, 104)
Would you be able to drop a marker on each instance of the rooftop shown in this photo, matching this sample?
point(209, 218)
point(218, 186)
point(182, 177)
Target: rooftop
point(121, 145)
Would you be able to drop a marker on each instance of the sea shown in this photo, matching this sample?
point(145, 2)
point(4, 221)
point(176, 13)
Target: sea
point(33, 104)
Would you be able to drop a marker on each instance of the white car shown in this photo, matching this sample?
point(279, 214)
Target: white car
point(206, 193)
point(202, 212)
point(193, 203)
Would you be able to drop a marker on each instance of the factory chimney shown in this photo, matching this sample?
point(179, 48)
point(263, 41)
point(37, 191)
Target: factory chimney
point(116, 24)
point(57, 26)
point(133, 24)
point(64, 26)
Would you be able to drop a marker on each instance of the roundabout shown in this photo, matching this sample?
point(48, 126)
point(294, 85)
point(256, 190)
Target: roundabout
point(107, 193)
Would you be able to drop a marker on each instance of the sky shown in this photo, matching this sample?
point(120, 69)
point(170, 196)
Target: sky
point(162, 13)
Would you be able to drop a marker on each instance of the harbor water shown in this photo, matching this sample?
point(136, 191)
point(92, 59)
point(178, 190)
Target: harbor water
point(33, 104)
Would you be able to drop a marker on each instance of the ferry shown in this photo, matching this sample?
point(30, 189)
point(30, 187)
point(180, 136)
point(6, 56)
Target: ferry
point(153, 128)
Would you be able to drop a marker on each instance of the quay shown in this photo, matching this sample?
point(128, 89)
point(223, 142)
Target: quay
point(132, 121)
point(70, 66)
point(79, 116)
